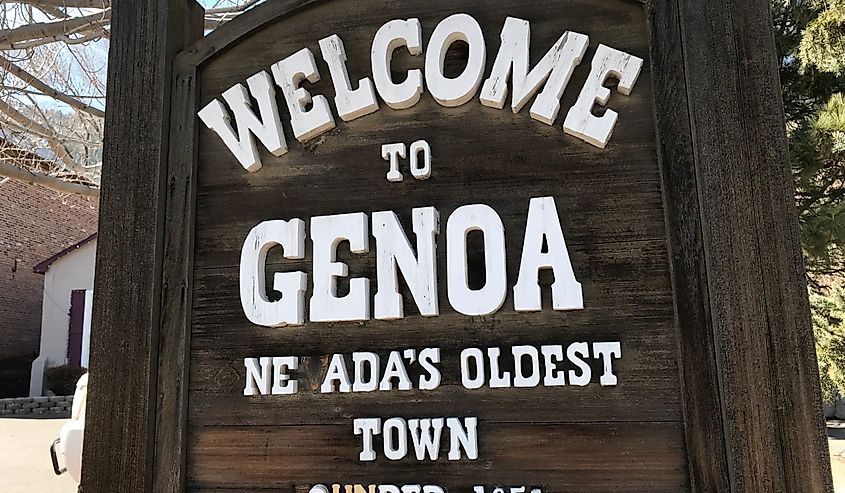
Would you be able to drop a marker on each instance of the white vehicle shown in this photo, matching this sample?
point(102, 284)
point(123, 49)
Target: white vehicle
point(69, 442)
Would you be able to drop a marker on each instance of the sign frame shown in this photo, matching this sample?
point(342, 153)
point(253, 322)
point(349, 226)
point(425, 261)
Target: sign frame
point(751, 397)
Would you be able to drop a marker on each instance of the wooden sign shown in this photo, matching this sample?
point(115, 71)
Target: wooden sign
point(429, 247)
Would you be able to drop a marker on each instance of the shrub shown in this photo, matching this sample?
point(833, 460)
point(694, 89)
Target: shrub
point(14, 376)
point(62, 379)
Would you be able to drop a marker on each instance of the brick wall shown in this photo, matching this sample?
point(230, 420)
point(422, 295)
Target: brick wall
point(35, 224)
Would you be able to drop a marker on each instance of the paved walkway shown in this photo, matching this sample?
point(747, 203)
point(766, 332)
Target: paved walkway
point(836, 442)
point(837, 461)
point(25, 457)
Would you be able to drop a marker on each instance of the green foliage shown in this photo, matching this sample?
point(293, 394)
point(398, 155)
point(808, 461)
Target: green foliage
point(811, 49)
point(823, 43)
point(818, 159)
point(829, 327)
point(810, 38)
point(831, 123)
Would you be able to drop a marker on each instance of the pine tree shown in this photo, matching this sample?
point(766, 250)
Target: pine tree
point(810, 36)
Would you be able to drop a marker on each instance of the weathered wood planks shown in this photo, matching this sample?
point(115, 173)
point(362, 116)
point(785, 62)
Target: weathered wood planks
point(611, 207)
point(681, 232)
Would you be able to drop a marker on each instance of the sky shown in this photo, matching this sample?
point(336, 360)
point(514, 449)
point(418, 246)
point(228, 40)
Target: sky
point(96, 52)
point(63, 70)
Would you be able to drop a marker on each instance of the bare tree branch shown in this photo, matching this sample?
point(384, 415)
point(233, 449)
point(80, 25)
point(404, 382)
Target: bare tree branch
point(11, 171)
point(100, 33)
point(53, 11)
point(236, 9)
point(64, 138)
point(16, 38)
point(52, 140)
point(24, 90)
point(84, 4)
point(47, 90)
point(51, 59)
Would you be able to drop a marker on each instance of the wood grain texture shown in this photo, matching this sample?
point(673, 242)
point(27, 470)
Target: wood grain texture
point(177, 274)
point(599, 457)
point(774, 428)
point(610, 205)
point(682, 233)
point(701, 400)
point(120, 432)
point(630, 299)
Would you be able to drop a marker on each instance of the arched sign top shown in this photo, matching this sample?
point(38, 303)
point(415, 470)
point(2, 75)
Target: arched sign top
point(256, 19)
point(234, 31)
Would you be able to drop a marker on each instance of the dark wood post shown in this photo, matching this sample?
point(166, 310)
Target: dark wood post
point(125, 335)
point(771, 410)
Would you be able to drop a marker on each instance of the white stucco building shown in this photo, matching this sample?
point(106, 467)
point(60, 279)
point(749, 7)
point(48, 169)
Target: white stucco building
point(66, 311)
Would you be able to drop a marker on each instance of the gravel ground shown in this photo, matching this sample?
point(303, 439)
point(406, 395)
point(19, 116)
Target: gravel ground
point(25, 465)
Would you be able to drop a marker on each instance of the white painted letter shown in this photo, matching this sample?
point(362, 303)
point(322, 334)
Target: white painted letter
point(282, 384)
point(268, 128)
point(512, 61)
point(478, 356)
point(393, 250)
point(490, 298)
point(425, 437)
point(607, 351)
point(551, 356)
point(519, 378)
point(498, 379)
point(463, 435)
point(367, 427)
point(390, 36)
point(391, 153)
point(372, 361)
point(428, 358)
point(457, 91)
point(395, 368)
point(257, 381)
point(580, 120)
point(543, 223)
point(395, 444)
point(290, 310)
point(327, 232)
point(351, 104)
point(337, 371)
point(420, 172)
point(289, 73)
point(575, 353)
